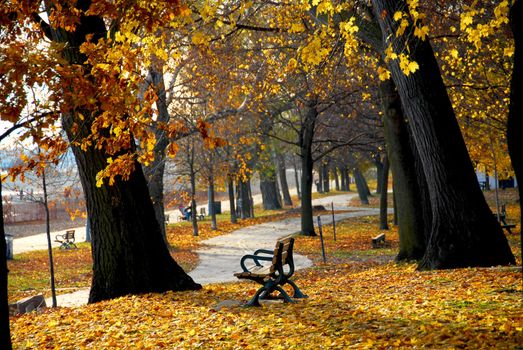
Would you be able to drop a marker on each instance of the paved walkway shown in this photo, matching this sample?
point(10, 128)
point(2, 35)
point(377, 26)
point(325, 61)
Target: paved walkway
point(220, 256)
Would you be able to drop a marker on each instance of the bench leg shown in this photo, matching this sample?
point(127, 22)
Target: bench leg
point(286, 297)
point(297, 292)
point(254, 300)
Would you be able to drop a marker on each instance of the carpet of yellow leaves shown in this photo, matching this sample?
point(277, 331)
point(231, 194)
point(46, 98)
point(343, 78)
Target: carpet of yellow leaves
point(373, 307)
point(358, 299)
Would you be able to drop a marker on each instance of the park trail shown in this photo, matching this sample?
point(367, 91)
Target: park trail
point(220, 256)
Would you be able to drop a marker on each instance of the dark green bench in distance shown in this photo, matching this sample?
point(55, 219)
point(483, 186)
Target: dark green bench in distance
point(274, 276)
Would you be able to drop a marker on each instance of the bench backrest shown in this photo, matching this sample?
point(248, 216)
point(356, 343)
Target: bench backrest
point(282, 256)
point(69, 235)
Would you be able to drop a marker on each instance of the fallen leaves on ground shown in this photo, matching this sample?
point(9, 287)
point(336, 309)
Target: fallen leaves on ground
point(29, 272)
point(349, 306)
point(356, 300)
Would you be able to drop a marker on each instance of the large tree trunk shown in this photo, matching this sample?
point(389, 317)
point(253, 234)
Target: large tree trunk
point(515, 115)
point(383, 194)
point(5, 333)
point(359, 179)
point(408, 203)
point(305, 141)
point(129, 253)
point(464, 231)
point(282, 172)
point(154, 172)
point(269, 193)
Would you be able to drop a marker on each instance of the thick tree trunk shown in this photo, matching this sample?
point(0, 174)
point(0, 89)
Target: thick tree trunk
point(408, 205)
point(269, 194)
point(129, 253)
point(515, 115)
point(154, 172)
point(360, 185)
point(384, 225)
point(282, 172)
point(232, 208)
point(305, 141)
point(464, 231)
point(5, 333)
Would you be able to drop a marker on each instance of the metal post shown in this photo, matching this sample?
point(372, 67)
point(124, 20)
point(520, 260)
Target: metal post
point(321, 240)
point(333, 221)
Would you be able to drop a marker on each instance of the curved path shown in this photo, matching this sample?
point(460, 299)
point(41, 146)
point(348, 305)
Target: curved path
point(220, 256)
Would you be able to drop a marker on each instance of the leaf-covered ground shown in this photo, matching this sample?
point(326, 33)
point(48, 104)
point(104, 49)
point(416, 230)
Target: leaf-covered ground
point(359, 299)
point(29, 272)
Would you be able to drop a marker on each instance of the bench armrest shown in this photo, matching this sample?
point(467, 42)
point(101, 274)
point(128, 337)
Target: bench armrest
point(264, 251)
point(255, 258)
point(59, 238)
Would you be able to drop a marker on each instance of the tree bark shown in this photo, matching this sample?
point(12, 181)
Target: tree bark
point(48, 234)
point(244, 202)
point(324, 168)
point(269, 194)
point(383, 194)
point(282, 171)
point(336, 178)
point(305, 141)
point(464, 232)
point(379, 172)
point(343, 177)
point(192, 177)
point(214, 225)
point(129, 253)
point(359, 179)
point(154, 172)
point(515, 115)
point(5, 333)
point(232, 208)
point(296, 179)
point(409, 204)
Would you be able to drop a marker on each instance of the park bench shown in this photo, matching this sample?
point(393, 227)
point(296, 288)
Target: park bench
point(66, 240)
point(274, 276)
point(202, 214)
point(503, 219)
point(379, 241)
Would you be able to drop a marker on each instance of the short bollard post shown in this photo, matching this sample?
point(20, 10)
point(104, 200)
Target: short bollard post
point(321, 240)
